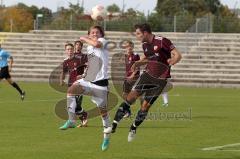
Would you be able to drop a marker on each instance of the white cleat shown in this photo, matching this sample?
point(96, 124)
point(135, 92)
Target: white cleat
point(131, 135)
point(107, 130)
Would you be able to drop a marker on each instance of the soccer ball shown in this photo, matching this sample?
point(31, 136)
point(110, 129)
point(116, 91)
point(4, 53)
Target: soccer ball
point(98, 13)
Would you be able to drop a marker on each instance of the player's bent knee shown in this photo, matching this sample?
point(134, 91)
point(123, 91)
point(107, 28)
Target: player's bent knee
point(75, 90)
point(132, 97)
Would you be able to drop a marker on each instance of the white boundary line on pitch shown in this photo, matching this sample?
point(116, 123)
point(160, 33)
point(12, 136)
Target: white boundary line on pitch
point(202, 96)
point(220, 147)
point(30, 101)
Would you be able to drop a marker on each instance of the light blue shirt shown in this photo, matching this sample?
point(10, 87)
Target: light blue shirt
point(4, 55)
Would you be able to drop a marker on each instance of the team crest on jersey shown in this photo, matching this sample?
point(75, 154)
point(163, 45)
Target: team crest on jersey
point(156, 53)
point(146, 50)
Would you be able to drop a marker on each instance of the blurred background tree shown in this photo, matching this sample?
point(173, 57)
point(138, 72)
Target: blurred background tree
point(169, 16)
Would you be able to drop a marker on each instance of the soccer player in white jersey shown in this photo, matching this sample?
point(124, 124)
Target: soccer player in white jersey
point(94, 81)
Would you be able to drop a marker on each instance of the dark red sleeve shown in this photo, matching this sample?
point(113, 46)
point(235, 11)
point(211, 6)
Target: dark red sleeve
point(167, 45)
point(65, 68)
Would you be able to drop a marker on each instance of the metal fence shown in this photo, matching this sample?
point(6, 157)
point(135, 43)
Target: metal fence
point(181, 23)
point(205, 24)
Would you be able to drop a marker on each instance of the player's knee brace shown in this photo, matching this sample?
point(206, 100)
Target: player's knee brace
point(141, 116)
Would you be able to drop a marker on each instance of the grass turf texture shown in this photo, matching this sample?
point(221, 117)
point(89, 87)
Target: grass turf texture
point(29, 129)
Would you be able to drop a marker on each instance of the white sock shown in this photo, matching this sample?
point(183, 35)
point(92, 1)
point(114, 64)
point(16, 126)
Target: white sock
point(72, 117)
point(106, 124)
point(71, 106)
point(106, 136)
point(106, 121)
point(165, 97)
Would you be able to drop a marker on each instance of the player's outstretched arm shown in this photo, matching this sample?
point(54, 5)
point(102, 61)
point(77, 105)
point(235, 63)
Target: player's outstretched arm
point(143, 61)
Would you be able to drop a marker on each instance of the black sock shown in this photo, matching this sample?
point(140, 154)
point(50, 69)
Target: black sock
point(121, 111)
point(133, 127)
point(79, 108)
point(141, 115)
point(114, 126)
point(15, 85)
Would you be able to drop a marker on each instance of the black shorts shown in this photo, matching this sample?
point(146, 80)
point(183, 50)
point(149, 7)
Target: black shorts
point(4, 73)
point(148, 86)
point(128, 85)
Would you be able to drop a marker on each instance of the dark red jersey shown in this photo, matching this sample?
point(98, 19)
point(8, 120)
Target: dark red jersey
point(158, 52)
point(74, 66)
point(129, 61)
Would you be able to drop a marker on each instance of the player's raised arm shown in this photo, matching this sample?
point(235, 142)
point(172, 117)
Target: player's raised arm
point(92, 41)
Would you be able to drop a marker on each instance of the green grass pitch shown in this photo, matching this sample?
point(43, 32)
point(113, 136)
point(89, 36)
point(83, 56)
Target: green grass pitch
point(29, 129)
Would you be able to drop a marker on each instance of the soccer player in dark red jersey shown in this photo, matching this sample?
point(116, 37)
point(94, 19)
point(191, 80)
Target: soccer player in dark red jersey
point(130, 77)
point(159, 55)
point(74, 65)
point(78, 45)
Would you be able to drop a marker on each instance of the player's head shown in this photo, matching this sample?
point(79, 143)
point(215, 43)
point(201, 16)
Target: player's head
point(78, 46)
point(96, 32)
point(143, 31)
point(69, 49)
point(129, 46)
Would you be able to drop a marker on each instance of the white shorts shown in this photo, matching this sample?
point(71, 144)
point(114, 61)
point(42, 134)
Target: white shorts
point(99, 93)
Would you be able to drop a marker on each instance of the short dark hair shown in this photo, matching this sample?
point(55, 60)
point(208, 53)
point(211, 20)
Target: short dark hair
point(69, 44)
point(78, 41)
point(143, 27)
point(130, 43)
point(97, 27)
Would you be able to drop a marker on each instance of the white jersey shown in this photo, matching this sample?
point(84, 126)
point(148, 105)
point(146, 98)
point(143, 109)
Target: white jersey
point(97, 62)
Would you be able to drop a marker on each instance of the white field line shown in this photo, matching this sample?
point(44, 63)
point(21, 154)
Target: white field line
point(220, 147)
point(231, 150)
point(203, 96)
point(173, 95)
point(31, 101)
